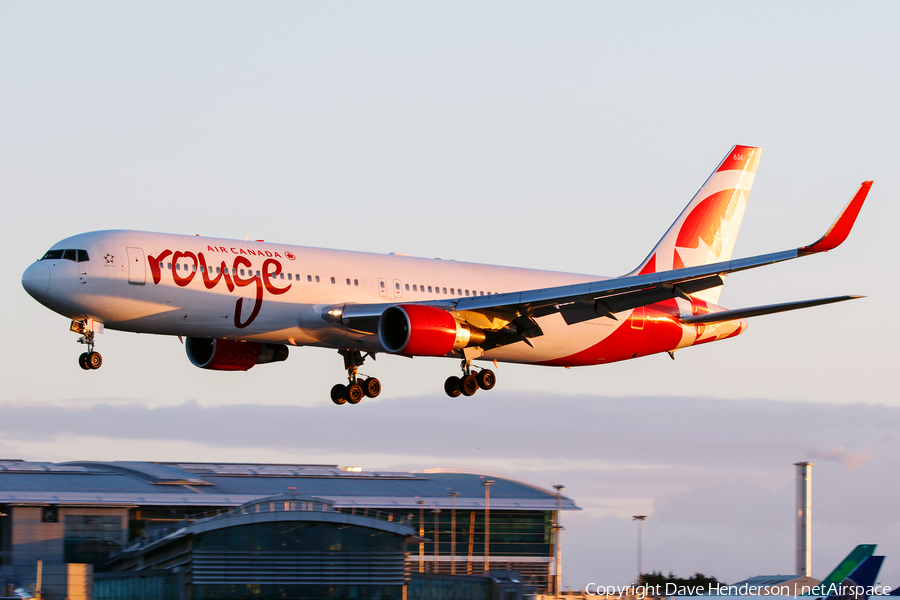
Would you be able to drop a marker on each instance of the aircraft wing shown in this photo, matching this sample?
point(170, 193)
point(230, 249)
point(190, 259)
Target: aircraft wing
point(514, 312)
point(600, 298)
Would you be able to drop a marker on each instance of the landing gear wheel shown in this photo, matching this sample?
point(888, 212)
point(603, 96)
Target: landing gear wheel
point(95, 360)
point(359, 386)
point(339, 393)
point(354, 393)
point(486, 379)
point(83, 361)
point(468, 385)
point(371, 387)
point(451, 386)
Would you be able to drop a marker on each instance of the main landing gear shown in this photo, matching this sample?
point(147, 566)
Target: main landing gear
point(469, 383)
point(358, 386)
point(88, 360)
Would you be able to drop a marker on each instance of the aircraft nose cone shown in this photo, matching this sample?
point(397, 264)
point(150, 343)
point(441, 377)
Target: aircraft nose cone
point(36, 280)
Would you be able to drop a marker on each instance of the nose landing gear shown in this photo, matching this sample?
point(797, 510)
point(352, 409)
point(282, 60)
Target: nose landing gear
point(88, 360)
point(358, 386)
point(470, 382)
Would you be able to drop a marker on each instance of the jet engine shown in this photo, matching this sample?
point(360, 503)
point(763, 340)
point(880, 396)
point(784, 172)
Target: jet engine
point(231, 355)
point(417, 330)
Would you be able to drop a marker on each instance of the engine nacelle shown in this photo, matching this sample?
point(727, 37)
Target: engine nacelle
point(230, 355)
point(417, 330)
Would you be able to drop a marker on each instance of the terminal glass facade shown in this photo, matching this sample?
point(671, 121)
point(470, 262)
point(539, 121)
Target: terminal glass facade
point(513, 533)
point(92, 538)
point(139, 585)
point(5, 535)
point(297, 559)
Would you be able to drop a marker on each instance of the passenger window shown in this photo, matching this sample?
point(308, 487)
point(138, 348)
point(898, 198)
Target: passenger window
point(289, 277)
point(282, 276)
point(467, 292)
point(429, 289)
point(234, 271)
point(407, 287)
point(317, 279)
point(415, 289)
point(481, 293)
point(452, 291)
point(194, 268)
point(382, 284)
point(257, 273)
point(168, 265)
point(459, 291)
point(348, 281)
point(53, 255)
point(161, 265)
point(397, 286)
point(177, 266)
point(356, 282)
point(332, 280)
point(309, 277)
point(445, 290)
point(82, 256)
point(242, 272)
point(69, 255)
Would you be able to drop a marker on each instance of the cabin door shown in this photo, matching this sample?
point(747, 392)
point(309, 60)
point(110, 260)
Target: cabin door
point(137, 269)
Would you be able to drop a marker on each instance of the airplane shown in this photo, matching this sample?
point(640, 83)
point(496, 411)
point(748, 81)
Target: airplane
point(237, 304)
point(856, 583)
point(843, 569)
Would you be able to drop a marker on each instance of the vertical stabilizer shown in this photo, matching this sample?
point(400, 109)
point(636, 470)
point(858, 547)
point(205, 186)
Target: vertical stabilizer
point(844, 568)
point(859, 582)
point(707, 228)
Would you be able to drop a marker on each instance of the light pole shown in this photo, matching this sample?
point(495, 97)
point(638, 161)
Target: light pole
point(437, 513)
point(557, 529)
point(487, 483)
point(640, 519)
point(422, 536)
point(453, 496)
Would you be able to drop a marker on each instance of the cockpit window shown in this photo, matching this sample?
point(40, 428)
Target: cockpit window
point(73, 255)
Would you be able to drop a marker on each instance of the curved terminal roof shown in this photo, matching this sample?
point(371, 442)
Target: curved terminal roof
point(130, 483)
point(281, 508)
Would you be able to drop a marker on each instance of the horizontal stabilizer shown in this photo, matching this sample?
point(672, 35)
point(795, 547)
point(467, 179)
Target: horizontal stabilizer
point(755, 311)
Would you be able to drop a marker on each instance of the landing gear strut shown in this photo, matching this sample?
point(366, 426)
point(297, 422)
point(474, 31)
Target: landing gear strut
point(357, 386)
point(88, 360)
point(469, 383)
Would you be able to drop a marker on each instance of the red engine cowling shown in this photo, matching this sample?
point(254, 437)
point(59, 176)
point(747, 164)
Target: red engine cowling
point(417, 330)
point(230, 355)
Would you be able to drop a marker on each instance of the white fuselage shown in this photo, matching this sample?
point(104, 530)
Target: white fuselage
point(215, 288)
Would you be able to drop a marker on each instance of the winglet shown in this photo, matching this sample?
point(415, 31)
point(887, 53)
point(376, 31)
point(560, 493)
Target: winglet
point(840, 229)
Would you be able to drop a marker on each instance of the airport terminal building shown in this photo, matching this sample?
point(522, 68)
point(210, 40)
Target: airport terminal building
point(198, 530)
